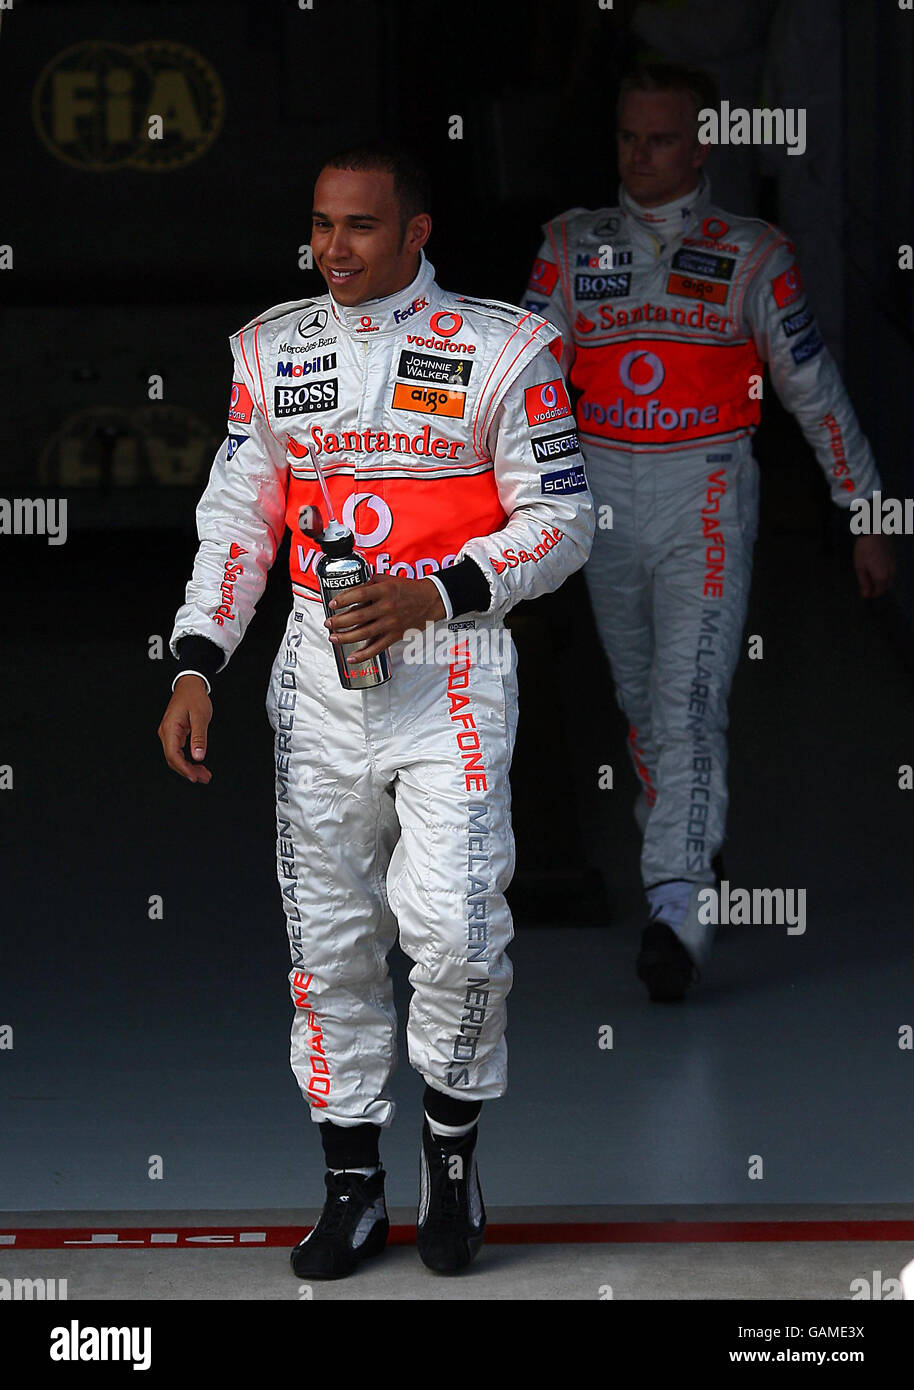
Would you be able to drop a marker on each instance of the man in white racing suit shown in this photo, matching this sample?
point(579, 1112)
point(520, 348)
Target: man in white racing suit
point(669, 309)
point(434, 418)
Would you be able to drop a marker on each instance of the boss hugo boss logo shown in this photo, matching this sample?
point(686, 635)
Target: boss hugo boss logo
point(305, 400)
point(602, 286)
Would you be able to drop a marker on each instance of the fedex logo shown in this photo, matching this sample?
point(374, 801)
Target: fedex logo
point(407, 313)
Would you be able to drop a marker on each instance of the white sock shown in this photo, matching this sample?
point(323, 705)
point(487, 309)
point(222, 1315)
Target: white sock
point(670, 902)
point(441, 1131)
point(364, 1172)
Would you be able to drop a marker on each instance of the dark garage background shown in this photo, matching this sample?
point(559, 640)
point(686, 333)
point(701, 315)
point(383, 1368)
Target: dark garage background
point(128, 264)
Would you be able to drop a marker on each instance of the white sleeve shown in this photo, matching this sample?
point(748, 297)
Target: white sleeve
point(539, 473)
point(240, 523)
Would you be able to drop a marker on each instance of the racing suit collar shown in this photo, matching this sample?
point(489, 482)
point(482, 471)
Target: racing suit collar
point(659, 227)
point(387, 315)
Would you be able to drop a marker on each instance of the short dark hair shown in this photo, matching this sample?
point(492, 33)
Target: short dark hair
point(412, 188)
point(700, 87)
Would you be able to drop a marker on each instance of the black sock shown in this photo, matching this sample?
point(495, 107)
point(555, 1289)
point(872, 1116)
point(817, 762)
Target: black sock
point(350, 1146)
point(446, 1110)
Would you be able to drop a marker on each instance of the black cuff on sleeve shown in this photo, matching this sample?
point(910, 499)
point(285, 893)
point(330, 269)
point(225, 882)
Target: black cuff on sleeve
point(467, 587)
point(200, 654)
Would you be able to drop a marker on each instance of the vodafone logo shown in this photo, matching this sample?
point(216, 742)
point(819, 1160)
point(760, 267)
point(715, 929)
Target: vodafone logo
point(648, 360)
point(445, 323)
point(714, 228)
point(549, 401)
point(381, 510)
point(367, 325)
point(241, 406)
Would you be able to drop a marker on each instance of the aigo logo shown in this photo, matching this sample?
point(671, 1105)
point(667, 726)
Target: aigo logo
point(649, 360)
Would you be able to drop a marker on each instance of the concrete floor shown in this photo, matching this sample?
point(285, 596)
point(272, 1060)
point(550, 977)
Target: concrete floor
point(705, 1267)
point(139, 1036)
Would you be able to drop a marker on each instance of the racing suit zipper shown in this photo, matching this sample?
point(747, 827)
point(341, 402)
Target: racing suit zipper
point(360, 425)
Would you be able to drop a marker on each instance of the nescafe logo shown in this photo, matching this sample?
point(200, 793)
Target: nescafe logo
point(312, 324)
point(445, 323)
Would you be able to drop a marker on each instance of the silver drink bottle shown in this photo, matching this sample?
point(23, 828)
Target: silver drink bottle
point(338, 569)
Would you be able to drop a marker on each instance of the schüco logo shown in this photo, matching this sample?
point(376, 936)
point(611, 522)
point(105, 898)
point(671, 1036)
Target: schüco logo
point(93, 102)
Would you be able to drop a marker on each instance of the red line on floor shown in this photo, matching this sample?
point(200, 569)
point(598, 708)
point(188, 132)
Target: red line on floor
point(171, 1237)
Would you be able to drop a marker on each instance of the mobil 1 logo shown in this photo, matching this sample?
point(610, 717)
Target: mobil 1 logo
point(305, 400)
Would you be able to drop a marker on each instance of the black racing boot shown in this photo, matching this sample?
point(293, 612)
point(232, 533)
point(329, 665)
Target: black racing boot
point(664, 964)
point(352, 1226)
point(452, 1217)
